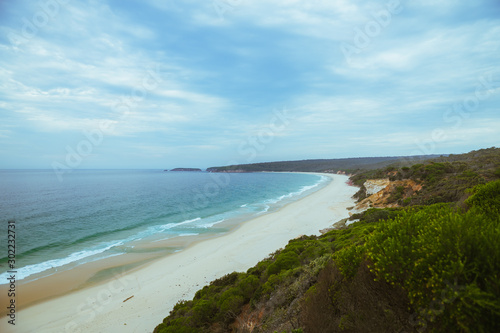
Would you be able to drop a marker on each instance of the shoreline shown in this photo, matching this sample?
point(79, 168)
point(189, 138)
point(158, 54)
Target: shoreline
point(138, 299)
point(97, 272)
point(68, 280)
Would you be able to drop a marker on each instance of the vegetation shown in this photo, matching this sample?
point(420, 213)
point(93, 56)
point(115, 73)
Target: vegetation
point(443, 179)
point(349, 165)
point(432, 267)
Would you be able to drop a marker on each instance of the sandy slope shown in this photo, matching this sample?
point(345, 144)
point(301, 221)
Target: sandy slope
point(158, 286)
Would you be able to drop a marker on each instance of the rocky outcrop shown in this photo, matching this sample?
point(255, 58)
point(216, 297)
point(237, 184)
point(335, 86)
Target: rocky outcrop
point(383, 193)
point(374, 186)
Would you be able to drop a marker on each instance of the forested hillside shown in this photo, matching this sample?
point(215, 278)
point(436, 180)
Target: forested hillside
point(430, 265)
point(349, 165)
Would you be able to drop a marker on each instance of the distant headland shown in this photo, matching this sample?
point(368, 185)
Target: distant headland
point(185, 169)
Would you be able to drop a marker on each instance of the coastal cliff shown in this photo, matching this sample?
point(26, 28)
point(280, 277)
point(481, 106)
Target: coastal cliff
point(384, 193)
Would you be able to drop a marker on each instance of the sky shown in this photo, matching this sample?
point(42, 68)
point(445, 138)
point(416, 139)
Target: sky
point(199, 83)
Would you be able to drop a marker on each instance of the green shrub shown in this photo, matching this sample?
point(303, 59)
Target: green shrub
point(377, 214)
point(226, 279)
point(437, 254)
point(260, 268)
point(398, 194)
point(230, 307)
point(348, 260)
point(204, 311)
point(486, 198)
point(497, 172)
point(182, 307)
point(269, 286)
point(176, 326)
point(248, 286)
point(284, 261)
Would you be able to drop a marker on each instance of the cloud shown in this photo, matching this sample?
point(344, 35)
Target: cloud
point(178, 78)
point(75, 86)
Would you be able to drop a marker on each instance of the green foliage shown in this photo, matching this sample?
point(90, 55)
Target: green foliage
point(497, 172)
point(226, 280)
point(176, 326)
point(248, 285)
point(230, 303)
point(348, 260)
point(204, 310)
point(486, 198)
point(439, 255)
point(376, 214)
point(285, 261)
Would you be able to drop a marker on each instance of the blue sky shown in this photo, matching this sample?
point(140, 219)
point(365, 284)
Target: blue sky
point(188, 83)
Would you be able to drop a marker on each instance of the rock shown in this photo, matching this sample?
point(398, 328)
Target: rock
point(380, 190)
point(375, 185)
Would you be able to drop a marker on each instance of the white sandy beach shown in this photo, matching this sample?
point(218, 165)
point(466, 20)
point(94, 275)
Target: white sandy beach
point(158, 286)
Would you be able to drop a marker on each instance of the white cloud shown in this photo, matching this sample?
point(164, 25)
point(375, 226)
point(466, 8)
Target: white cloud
point(218, 77)
point(88, 85)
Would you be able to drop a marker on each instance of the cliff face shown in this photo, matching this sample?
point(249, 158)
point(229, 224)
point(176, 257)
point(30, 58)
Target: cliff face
point(374, 186)
point(383, 193)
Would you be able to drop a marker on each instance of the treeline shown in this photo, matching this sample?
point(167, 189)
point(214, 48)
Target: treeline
point(349, 165)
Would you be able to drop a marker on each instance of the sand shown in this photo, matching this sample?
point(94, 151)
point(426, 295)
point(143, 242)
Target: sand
point(138, 300)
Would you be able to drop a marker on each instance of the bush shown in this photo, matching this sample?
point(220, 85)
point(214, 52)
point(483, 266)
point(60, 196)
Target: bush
point(497, 172)
point(376, 214)
point(442, 257)
point(230, 306)
point(348, 260)
point(204, 311)
point(486, 198)
point(226, 279)
point(248, 286)
point(177, 326)
point(284, 261)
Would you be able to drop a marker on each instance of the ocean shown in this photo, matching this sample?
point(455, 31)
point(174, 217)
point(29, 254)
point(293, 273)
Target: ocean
point(97, 214)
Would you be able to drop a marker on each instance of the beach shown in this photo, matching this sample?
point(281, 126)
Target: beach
point(138, 299)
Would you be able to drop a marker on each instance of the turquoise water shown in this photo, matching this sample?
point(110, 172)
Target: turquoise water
point(96, 214)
